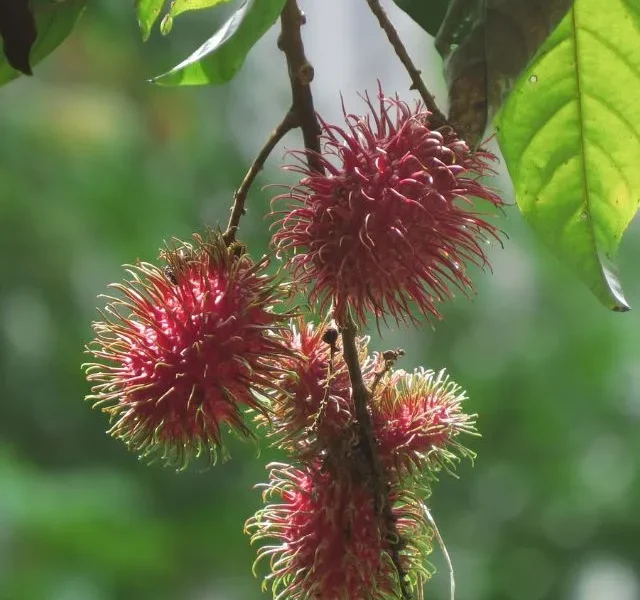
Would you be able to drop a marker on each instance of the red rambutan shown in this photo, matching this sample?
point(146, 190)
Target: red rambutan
point(330, 543)
point(312, 409)
point(185, 349)
point(392, 218)
point(418, 419)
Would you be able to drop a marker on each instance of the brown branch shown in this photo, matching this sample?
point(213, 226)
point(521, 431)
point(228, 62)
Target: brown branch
point(381, 488)
point(237, 210)
point(301, 114)
point(437, 117)
point(300, 77)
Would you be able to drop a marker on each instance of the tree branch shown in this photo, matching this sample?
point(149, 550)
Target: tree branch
point(237, 210)
point(301, 114)
point(437, 117)
point(300, 76)
point(380, 484)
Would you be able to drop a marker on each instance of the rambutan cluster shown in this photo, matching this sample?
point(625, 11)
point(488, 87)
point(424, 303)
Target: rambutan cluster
point(332, 538)
point(186, 351)
point(387, 222)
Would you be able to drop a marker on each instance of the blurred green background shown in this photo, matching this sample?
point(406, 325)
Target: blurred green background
point(97, 167)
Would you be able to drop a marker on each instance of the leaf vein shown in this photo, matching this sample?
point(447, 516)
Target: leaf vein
point(600, 39)
point(614, 112)
point(583, 161)
point(542, 128)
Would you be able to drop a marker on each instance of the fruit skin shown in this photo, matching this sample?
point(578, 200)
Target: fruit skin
point(312, 410)
point(418, 419)
point(327, 541)
point(391, 220)
point(185, 349)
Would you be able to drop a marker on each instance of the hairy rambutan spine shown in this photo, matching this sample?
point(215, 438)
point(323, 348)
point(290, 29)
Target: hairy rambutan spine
point(183, 350)
point(389, 221)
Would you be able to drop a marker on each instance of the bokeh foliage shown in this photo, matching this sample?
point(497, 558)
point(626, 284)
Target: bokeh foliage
point(97, 168)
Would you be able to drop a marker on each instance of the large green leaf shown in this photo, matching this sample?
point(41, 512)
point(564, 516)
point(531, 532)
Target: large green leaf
point(179, 6)
point(148, 12)
point(570, 135)
point(221, 56)
point(429, 15)
point(55, 20)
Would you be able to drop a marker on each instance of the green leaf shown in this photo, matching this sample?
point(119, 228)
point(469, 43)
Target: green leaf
point(429, 15)
point(221, 56)
point(148, 12)
point(55, 20)
point(570, 135)
point(179, 6)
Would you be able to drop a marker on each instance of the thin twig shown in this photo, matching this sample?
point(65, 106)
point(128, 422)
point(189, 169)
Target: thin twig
point(437, 117)
point(317, 421)
point(361, 397)
point(420, 589)
point(300, 76)
point(237, 210)
point(301, 114)
point(445, 552)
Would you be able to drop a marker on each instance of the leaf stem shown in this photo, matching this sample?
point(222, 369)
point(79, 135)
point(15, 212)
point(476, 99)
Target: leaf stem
point(454, 17)
point(437, 117)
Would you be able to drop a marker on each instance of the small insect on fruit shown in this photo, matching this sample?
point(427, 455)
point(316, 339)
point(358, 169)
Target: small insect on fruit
point(178, 261)
point(168, 271)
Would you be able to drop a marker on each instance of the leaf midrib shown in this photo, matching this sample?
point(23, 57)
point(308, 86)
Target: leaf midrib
point(583, 153)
